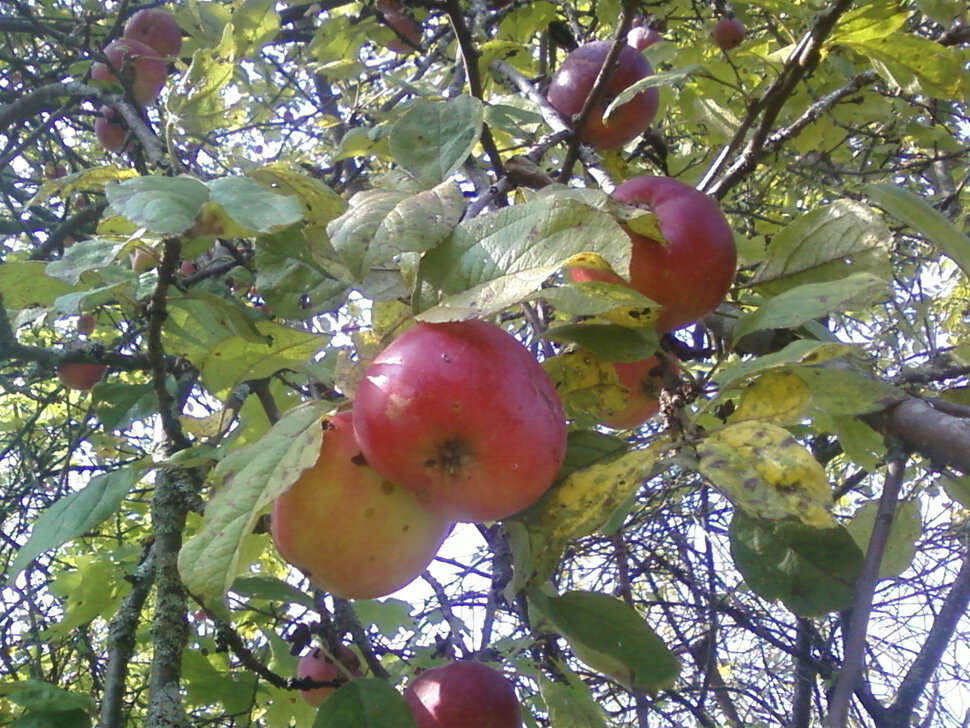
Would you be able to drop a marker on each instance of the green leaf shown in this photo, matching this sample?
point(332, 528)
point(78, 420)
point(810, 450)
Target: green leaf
point(802, 351)
point(74, 515)
point(517, 239)
point(163, 205)
point(869, 22)
point(592, 298)
point(382, 224)
point(608, 341)
point(916, 65)
point(570, 705)
point(118, 404)
point(433, 138)
point(263, 586)
point(823, 245)
point(236, 359)
point(365, 703)
point(290, 279)
point(667, 78)
point(53, 719)
point(389, 615)
point(610, 637)
point(811, 570)
point(41, 696)
point(197, 102)
point(847, 392)
point(918, 214)
point(93, 254)
point(254, 207)
point(905, 531)
point(251, 479)
point(809, 301)
point(30, 285)
point(320, 203)
point(254, 23)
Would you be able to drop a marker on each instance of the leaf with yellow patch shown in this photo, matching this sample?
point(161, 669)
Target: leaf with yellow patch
point(776, 396)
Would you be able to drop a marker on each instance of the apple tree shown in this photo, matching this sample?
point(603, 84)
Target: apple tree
point(710, 466)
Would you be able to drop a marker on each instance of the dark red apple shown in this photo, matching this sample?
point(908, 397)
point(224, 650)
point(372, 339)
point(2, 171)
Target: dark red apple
point(574, 79)
point(408, 32)
point(728, 33)
point(85, 324)
point(644, 379)
point(317, 667)
point(690, 275)
point(81, 376)
point(156, 29)
point(109, 131)
point(138, 63)
point(463, 415)
point(354, 533)
point(463, 694)
point(640, 37)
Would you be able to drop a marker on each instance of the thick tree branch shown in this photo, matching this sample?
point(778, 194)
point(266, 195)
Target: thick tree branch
point(855, 638)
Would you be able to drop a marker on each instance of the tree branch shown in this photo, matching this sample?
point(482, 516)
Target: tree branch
point(855, 639)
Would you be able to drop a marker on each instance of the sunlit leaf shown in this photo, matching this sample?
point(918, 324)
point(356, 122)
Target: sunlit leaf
point(365, 703)
point(433, 138)
point(777, 397)
point(907, 527)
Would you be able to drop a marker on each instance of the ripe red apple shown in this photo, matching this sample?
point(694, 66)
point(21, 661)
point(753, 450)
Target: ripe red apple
point(463, 694)
point(644, 379)
point(81, 376)
point(187, 268)
point(156, 29)
point(353, 532)
point(109, 132)
point(640, 37)
point(138, 63)
point(317, 667)
point(728, 33)
point(574, 79)
point(85, 323)
point(690, 275)
point(461, 414)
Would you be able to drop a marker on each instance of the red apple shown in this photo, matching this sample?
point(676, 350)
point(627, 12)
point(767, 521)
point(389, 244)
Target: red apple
point(317, 667)
point(139, 64)
point(641, 37)
point(187, 268)
point(109, 131)
point(85, 323)
point(728, 33)
point(690, 275)
point(574, 79)
point(156, 29)
point(463, 694)
point(408, 32)
point(644, 379)
point(353, 532)
point(461, 414)
point(81, 376)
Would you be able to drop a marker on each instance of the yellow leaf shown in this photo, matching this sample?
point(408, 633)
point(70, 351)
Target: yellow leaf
point(766, 472)
point(588, 386)
point(776, 396)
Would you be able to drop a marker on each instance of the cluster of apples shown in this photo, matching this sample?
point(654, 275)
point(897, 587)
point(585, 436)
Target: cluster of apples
point(150, 39)
point(452, 422)
point(461, 694)
point(690, 272)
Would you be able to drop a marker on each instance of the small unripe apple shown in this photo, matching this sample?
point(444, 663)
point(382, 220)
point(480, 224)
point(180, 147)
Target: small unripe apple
point(81, 376)
point(354, 533)
point(317, 667)
point(462, 415)
point(640, 37)
point(463, 694)
point(109, 132)
point(643, 379)
point(728, 33)
point(85, 324)
point(690, 274)
point(574, 79)
point(156, 29)
point(140, 64)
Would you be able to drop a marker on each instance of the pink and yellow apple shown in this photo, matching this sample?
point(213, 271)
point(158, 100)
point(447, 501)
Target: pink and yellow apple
point(139, 64)
point(156, 29)
point(353, 532)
